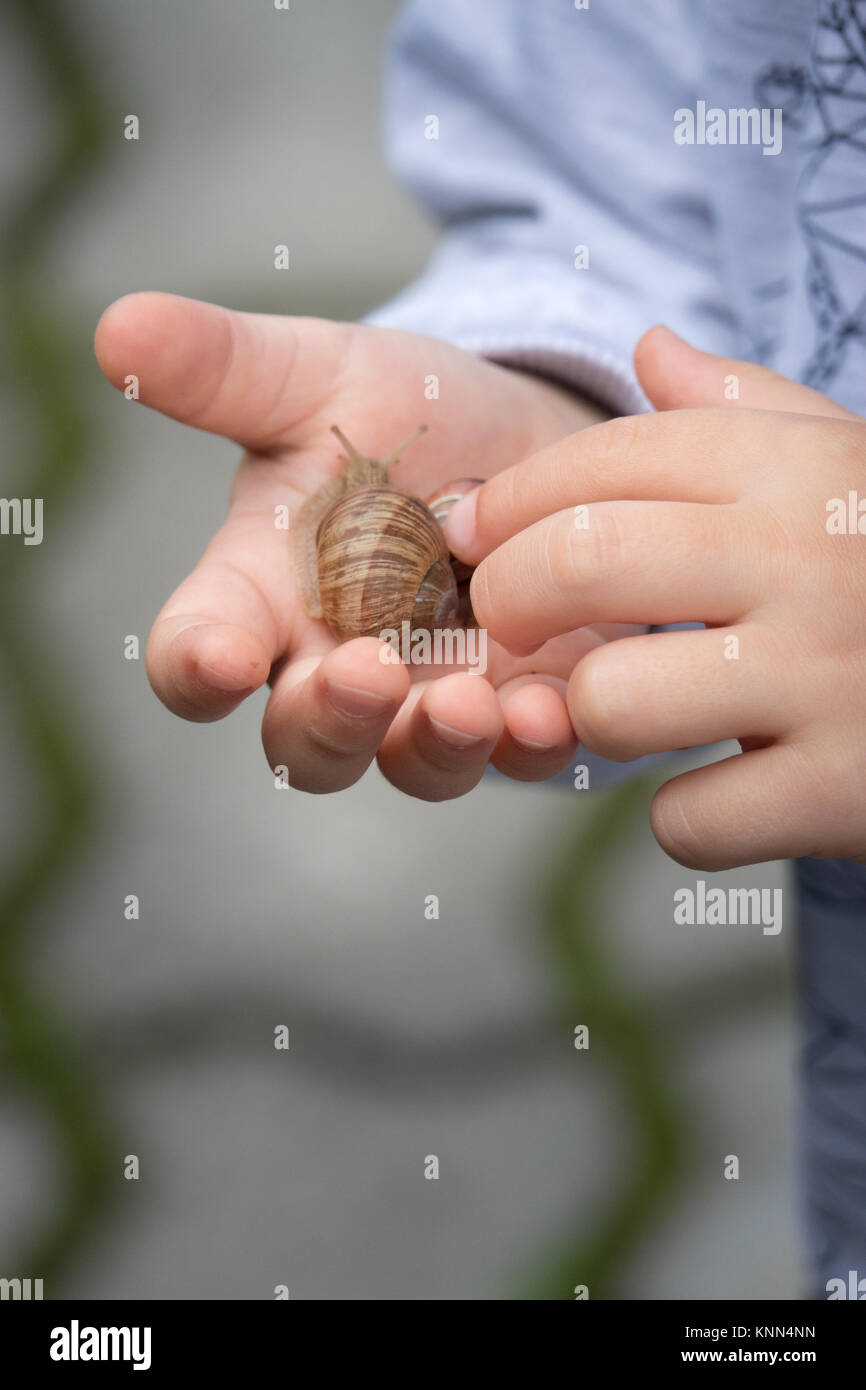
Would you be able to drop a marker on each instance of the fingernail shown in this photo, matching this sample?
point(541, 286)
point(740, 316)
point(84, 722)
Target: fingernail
point(359, 704)
point(460, 523)
point(531, 746)
point(455, 738)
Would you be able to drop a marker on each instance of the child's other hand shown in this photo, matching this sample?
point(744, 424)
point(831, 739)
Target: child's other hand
point(713, 511)
point(276, 385)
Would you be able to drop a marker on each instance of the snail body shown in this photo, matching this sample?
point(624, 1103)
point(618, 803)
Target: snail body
point(370, 556)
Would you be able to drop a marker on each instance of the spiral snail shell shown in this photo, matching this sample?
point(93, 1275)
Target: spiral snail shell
point(369, 555)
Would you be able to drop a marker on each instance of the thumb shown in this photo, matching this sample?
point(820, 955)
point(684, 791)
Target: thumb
point(677, 376)
point(251, 377)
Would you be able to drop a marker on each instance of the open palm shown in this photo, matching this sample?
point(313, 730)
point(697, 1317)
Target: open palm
point(276, 386)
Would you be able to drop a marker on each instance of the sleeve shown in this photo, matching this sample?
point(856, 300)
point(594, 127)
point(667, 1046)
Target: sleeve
point(832, 986)
point(539, 137)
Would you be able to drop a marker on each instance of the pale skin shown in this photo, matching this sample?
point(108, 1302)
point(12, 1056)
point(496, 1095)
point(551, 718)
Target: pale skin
point(713, 510)
point(276, 386)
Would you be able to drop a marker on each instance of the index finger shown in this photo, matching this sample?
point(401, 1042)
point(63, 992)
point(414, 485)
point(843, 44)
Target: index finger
point(674, 456)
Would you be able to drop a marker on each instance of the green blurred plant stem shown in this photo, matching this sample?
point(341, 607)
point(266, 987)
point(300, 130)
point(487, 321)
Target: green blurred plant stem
point(42, 369)
point(622, 1037)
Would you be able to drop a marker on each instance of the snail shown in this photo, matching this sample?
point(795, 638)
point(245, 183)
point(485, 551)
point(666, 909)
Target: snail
point(369, 555)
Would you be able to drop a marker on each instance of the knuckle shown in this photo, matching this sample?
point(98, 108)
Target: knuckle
point(607, 540)
point(592, 555)
point(613, 442)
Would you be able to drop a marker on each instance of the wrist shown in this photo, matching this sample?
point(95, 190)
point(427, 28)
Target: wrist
point(569, 408)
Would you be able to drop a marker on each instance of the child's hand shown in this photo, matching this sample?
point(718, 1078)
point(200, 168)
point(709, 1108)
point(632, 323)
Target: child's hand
point(715, 515)
point(276, 385)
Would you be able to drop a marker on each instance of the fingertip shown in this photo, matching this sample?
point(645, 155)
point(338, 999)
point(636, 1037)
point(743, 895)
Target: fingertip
point(175, 348)
point(674, 374)
point(654, 344)
point(488, 616)
point(120, 327)
point(479, 595)
point(463, 709)
point(228, 658)
point(659, 333)
point(203, 671)
point(367, 663)
point(537, 718)
point(326, 718)
point(538, 740)
point(461, 529)
point(522, 649)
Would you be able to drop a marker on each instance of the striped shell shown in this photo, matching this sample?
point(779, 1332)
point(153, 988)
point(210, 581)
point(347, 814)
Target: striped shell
point(370, 556)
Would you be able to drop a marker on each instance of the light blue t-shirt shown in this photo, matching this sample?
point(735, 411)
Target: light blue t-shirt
point(555, 129)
